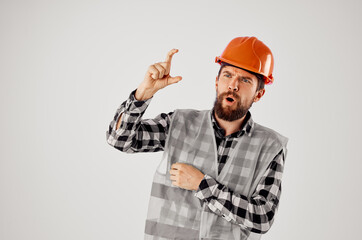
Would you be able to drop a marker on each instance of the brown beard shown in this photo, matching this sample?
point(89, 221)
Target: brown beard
point(227, 113)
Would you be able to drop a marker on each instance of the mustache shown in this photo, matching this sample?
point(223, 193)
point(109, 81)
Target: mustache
point(224, 94)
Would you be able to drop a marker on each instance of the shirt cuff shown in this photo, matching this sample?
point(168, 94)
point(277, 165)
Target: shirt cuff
point(206, 189)
point(137, 106)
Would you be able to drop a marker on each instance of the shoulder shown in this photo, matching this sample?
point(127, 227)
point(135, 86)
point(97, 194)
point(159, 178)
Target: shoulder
point(269, 135)
point(191, 113)
point(191, 118)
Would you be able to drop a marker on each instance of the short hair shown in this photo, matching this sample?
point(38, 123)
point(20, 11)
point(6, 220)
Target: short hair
point(261, 78)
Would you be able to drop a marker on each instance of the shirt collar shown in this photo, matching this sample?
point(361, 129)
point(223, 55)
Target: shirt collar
point(247, 126)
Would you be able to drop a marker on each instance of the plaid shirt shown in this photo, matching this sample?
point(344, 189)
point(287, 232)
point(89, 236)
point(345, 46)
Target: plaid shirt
point(138, 135)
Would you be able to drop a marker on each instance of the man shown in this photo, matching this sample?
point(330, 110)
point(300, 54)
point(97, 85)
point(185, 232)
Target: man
point(220, 176)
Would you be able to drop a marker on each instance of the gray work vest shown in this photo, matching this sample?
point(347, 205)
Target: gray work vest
point(175, 213)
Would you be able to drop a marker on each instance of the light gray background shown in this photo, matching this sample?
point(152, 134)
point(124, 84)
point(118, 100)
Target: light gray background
point(65, 67)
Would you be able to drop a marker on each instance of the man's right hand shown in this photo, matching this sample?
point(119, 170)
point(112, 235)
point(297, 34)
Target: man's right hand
point(157, 77)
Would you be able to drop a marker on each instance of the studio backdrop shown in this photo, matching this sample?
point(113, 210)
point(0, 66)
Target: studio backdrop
point(66, 66)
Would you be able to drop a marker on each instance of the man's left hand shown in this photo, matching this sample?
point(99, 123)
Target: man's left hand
point(185, 176)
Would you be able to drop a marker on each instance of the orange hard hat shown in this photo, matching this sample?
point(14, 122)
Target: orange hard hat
point(250, 54)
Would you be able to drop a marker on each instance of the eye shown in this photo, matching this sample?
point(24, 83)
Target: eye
point(246, 80)
point(227, 75)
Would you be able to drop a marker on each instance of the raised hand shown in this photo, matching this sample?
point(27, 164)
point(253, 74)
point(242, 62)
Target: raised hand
point(157, 77)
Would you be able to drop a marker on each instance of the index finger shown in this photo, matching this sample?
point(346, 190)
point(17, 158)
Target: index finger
point(175, 165)
point(170, 54)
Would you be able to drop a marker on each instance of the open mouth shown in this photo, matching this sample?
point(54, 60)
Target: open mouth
point(230, 99)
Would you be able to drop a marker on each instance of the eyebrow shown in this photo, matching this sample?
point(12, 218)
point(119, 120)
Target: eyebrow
point(248, 78)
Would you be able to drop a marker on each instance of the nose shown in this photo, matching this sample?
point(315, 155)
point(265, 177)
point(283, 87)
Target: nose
point(233, 85)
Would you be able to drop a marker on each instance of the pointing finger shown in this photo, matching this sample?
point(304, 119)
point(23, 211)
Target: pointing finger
point(170, 54)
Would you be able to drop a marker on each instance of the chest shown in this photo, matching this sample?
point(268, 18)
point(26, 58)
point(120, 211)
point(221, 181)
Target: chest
point(231, 161)
point(225, 146)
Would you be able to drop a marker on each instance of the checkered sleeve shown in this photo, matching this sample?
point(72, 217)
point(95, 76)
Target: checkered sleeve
point(134, 133)
point(255, 213)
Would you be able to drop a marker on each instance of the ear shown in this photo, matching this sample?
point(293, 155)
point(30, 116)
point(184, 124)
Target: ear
point(216, 83)
point(259, 94)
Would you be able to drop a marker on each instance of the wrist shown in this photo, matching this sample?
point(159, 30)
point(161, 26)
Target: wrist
point(143, 94)
point(198, 182)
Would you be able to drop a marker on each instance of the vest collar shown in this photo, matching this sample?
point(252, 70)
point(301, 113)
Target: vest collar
point(247, 127)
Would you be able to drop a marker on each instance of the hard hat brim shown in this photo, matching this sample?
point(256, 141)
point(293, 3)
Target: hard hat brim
point(267, 79)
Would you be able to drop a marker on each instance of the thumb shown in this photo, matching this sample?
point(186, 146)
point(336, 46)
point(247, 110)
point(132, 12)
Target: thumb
point(172, 80)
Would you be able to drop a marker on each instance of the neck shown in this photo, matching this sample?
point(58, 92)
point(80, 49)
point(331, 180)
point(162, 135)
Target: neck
point(230, 127)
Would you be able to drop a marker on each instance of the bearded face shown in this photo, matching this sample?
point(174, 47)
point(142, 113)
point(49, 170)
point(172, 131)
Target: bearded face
point(228, 106)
